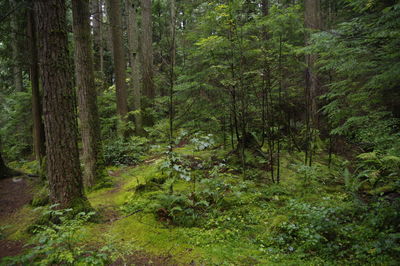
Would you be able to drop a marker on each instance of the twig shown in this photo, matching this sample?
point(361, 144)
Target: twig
point(123, 217)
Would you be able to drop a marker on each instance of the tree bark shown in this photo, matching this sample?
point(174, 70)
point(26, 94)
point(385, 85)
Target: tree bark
point(38, 126)
point(16, 64)
point(87, 97)
point(147, 50)
point(63, 166)
point(172, 69)
point(312, 19)
point(97, 13)
point(119, 58)
point(4, 170)
point(133, 42)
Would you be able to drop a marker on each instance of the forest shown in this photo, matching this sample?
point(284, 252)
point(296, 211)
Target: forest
point(190, 132)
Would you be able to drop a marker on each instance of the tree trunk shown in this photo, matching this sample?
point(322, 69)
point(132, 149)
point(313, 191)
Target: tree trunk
point(87, 97)
point(119, 58)
point(4, 171)
point(312, 19)
point(172, 69)
point(38, 127)
point(16, 69)
point(97, 13)
point(63, 166)
point(147, 50)
point(133, 42)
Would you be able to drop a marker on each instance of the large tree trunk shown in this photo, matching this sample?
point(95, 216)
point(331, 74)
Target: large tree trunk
point(147, 50)
point(16, 69)
point(133, 42)
point(38, 127)
point(119, 58)
point(63, 166)
point(87, 97)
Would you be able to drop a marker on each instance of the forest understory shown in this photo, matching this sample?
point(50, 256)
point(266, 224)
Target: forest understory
point(192, 132)
point(210, 216)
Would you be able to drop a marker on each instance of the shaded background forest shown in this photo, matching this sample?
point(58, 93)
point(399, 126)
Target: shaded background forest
point(238, 67)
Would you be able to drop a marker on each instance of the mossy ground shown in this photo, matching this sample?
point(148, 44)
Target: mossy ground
point(186, 244)
point(223, 242)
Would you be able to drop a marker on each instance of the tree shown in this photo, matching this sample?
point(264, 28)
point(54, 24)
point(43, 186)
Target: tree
point(147, 50)
point(312, 19)
point(38, 127)
point(172, 67)
point(17, 71)
point(63, 166)
point(361, 59)
point(119, 58)
point(87, 97)
point(133, 43)
point(97, 13)
point(4, 170)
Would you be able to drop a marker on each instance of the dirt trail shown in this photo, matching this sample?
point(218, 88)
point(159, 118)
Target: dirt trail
point(14, 194)
point(17, 192)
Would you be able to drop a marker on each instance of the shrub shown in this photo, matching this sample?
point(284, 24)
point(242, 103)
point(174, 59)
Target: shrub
point(203, 142)
point(60, 243)
point(125, 152)
point(348, 231)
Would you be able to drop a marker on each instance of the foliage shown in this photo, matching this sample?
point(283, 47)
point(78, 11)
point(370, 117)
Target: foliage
point(346, 231)
point(122, 151)
point(202, 142)
point(41, 197)
point(15, 126)
point(60, 242)
point(2, 229)
point(379, 170)
point(175, 166)
point(362, 53)
point(108, 119)
point(240, 70)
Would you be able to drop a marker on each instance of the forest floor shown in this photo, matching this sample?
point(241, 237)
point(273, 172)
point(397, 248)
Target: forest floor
point(235, 227)
point(17, 193)
point(14, 194)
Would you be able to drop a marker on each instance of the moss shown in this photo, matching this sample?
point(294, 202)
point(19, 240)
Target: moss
point(189, 150)
point(17, 225)
point(278, 221)
point(209, 245)
point(108, 197)
point(41, 197)
point(145, 231)
point(81, 205)
point(103, 182)
point(183, 186)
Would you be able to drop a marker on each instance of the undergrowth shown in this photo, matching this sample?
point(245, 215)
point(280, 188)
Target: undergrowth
point(195, 203)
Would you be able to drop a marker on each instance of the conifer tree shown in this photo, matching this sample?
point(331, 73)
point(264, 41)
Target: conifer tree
point(87, 97)
point(63, 166)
